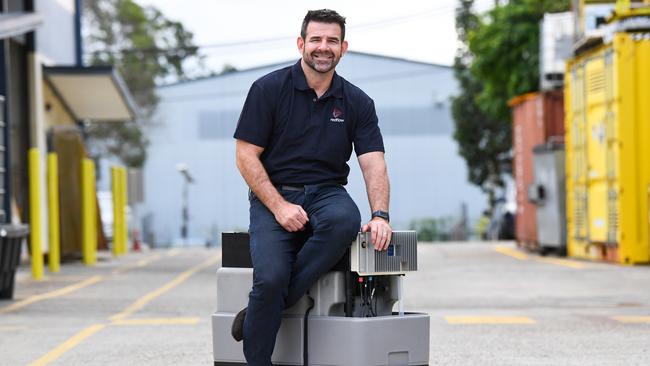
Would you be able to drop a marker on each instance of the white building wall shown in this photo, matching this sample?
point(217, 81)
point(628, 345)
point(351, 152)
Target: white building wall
point(195, 122)
point(55, 38)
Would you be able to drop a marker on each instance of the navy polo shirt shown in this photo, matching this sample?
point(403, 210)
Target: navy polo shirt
point(306, 139)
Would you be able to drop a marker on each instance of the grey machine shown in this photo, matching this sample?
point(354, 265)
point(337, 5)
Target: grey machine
point(548, 194)
point(351, 320)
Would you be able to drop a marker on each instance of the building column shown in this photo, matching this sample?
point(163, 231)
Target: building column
point(37, 132)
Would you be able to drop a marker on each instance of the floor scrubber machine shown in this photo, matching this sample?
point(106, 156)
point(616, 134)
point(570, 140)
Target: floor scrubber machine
point(346, 319)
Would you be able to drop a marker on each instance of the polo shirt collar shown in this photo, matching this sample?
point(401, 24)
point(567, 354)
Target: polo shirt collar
point(300, 82)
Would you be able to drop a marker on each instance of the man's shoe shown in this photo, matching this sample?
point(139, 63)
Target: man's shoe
point(237, 330)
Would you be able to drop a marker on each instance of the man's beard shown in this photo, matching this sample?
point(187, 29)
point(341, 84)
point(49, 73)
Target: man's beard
point(322, 66)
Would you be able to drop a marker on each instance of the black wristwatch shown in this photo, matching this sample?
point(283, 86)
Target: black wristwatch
point(381, 214)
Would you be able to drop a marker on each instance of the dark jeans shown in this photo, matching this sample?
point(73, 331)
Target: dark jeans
point(287, 264)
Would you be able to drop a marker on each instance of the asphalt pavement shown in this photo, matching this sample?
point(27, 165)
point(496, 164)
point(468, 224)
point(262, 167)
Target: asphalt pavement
point(490, 304)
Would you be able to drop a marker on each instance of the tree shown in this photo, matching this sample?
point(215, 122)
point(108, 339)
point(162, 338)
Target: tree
point(505, 46)
point(482, 140)
point(227, 68)
point(497, 59)
point(147, 49)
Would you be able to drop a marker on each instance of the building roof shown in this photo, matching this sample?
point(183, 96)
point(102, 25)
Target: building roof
point(94, 92)
point(276, 64)
point(17, 23)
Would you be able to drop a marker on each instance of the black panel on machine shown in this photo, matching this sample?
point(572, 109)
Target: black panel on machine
point(235, 248)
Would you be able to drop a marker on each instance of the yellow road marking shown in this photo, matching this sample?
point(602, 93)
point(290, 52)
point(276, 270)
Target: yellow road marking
point(173, 252)
point(144, 300)
point(118, 319)
point(52, 294)
point(514, 253)
point(489, 320)
point(51, 278)
point(511, 252)
point(68, 345)
point(632, 319)
point(157, 321)
point(11, 328)
point(563, 262)
point(141, 263)
point(78, 286)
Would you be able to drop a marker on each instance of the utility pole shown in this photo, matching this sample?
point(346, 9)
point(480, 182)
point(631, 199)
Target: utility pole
point(185, 212)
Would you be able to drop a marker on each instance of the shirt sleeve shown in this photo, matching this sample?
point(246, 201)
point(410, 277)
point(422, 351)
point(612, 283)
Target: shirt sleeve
point(255, 123)
point(367, 136)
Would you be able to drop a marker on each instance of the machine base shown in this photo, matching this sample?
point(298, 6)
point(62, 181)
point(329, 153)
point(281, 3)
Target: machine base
point(275, 364)
point(384, 340)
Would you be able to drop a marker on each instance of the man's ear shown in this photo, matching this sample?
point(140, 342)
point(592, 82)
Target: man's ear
point(301, 44)
point(344, 47)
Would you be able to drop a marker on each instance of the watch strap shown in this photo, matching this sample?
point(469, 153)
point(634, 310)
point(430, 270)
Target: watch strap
point(381, 214)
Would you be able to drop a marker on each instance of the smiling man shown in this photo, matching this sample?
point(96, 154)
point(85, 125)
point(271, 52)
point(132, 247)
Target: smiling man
point(295, 135)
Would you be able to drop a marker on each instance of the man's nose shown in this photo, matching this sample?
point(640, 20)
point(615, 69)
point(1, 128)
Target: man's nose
point(323, 45)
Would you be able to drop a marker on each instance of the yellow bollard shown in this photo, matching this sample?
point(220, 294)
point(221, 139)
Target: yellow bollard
point(124, 203)
point(116, 210)
point(54, 258)
point(120, 212)
point(35, 224)
point(120, 236)
point(89, 212)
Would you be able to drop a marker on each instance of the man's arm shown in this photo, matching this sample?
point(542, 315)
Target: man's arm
point(291, 217)
point(373, 167)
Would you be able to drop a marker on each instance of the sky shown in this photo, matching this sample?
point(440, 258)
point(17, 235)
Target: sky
point(414, 30)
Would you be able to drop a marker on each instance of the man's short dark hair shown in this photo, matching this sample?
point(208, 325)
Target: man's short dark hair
point(323, 16)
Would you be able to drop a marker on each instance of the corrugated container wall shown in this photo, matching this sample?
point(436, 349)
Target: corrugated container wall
point(608, 154)
point(537, 118)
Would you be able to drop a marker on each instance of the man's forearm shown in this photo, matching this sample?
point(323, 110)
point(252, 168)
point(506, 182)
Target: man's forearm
point(376, 177)
point(378, 191)
point(255, 175)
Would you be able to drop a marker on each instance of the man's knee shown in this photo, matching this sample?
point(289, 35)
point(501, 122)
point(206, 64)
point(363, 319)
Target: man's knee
point(271, 282)
point(344, 222)
point(351, 225)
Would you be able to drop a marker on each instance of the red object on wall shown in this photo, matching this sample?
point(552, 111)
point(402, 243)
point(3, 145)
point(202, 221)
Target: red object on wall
point(537, 118)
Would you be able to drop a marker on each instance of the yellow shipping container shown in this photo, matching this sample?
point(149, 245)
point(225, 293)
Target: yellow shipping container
point(607, 124)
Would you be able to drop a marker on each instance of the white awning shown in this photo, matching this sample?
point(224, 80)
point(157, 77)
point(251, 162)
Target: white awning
point(95, 93)
point(17, 23)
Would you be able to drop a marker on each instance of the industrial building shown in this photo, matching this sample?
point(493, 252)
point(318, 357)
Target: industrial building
point(195, 121)
point(45, 96)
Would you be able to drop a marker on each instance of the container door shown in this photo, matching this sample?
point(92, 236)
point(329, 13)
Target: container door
point(578, 156)
point(611, 151)
point(596, 151)
point(632, 96)
point(4, 207)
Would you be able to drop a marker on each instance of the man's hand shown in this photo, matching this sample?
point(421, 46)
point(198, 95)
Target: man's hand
point(380, 232)
point(291, 217)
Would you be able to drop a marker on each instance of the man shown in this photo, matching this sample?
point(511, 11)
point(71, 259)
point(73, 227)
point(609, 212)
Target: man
point(294, 138)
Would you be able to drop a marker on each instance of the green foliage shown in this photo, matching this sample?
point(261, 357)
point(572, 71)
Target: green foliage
point(505, 46)
point(228, 68)
point(146, 48)
point(432, 229)
point(122, 139)
point(482, 140)
point(497, 59)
